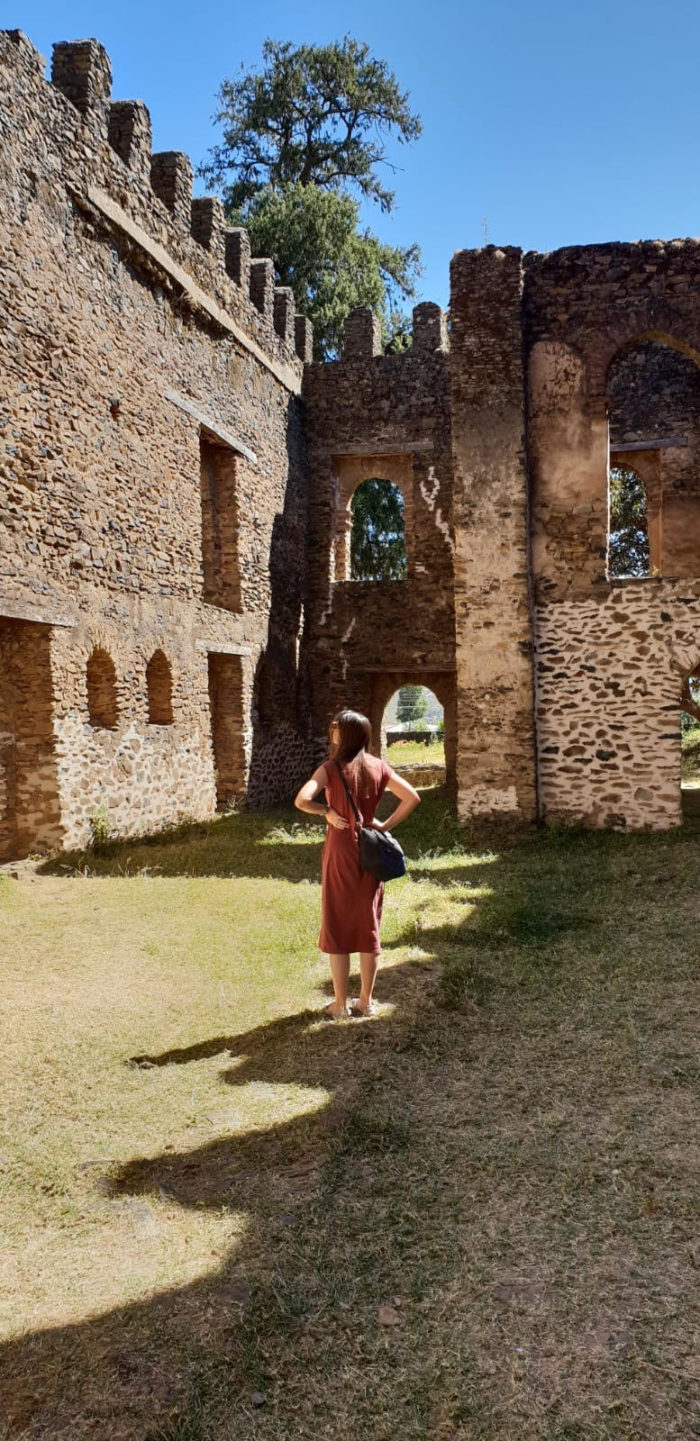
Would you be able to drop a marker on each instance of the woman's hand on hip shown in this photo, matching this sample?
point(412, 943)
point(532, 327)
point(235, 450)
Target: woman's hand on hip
point(335, 820)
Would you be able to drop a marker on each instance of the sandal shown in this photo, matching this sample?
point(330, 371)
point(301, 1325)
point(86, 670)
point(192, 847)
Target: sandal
point(327, 1013)
point(360, 1012)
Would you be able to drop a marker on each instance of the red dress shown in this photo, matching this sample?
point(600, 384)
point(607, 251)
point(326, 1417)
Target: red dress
point(351, 901)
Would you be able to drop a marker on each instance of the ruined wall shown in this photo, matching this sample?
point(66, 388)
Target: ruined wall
point(386, 417)
point(609, 671)
point(610, 655)
point(495, 703)
point(136, 332)
point(177, 480)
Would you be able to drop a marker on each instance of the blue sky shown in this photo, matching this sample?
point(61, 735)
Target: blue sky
point(545, 124)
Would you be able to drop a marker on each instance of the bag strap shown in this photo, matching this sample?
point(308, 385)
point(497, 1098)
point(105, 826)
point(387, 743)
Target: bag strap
point(349, 795)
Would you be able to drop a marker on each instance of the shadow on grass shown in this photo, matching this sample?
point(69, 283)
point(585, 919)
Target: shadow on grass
point(278, 844)
point(405, 1246)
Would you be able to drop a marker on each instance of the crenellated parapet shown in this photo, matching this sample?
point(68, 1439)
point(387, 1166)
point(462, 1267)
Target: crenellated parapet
point(362, 337)
point(100, 151)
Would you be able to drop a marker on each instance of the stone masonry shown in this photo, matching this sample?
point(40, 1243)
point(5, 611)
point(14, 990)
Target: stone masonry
point(178, 620)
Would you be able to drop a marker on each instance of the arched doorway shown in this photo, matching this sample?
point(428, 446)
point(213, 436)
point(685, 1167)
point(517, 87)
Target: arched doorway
point(439, 687)
point(413, 735)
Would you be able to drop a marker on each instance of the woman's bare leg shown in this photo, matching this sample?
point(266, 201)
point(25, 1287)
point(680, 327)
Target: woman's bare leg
point(340, 973)
point(369, 965)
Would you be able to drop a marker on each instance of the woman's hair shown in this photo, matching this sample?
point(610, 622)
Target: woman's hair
point(355, 735)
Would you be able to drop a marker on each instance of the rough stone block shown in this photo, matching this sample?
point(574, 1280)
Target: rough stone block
point(362, 338)
point(171, 178)
point(208, 224)
point(304, 338)
point(429, 328)
point(129, 134)
point(237, 256)
point(262, 286)
point(284, 313)
point(80, 69)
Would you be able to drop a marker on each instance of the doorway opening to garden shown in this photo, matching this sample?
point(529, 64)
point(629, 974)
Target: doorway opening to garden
point(414, 724)
point(414, 731)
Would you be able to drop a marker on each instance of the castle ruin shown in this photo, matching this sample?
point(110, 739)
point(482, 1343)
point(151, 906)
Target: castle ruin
point(177, 618)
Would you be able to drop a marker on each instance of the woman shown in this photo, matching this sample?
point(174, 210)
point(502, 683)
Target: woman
point(351, 900)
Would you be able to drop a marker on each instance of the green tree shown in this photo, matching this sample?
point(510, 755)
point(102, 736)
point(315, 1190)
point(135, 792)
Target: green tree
point(412, 704)
point(378, 537)
point(629, 539)
point(331, 264)
point(299, 136)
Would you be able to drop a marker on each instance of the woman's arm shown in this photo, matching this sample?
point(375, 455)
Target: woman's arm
point(408, 799)
point(305, 800)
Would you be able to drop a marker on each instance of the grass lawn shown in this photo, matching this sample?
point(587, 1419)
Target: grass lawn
point(409, 753)
point(473, 1217)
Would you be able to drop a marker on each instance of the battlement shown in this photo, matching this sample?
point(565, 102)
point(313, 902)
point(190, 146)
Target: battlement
point(362, 338)
point(102, 152)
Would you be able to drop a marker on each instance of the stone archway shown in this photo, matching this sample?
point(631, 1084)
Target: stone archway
point(350, 471)
point(443, 684)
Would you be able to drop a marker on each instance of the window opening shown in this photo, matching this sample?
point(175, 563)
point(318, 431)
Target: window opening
point(227, 726)
point(159, 685)
point(378, 533)
point(220, 564)
point(30, 817)
point(102, 690)
point(628, 545)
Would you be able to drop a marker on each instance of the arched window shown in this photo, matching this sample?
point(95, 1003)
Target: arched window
point(628, 551)
point(378, 535)
point(159, 684)
point(102, 690)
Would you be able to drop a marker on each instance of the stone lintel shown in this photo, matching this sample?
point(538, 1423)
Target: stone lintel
point(624, 445)
point(37, 614)
point(409, 668)
point(223, 647)
point(212, 426)
point(339, 450)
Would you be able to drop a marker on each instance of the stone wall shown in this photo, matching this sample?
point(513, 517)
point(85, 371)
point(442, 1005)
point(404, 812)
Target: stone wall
point(384, 417)
point(177, 619)
point(609, 671)
point(152, 469)
point(612, 328)
point(495, 700)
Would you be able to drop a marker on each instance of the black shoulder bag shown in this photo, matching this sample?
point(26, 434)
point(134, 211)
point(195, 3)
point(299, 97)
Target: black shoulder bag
point(381, 855)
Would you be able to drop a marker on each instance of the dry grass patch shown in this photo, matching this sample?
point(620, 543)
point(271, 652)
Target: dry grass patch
point(471, 1218)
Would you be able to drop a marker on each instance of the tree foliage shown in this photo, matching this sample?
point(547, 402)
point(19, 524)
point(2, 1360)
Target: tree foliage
point(378, 537)
point(628, 552)
point(314, 115)
point(412, 704)
point(330, 262)
point(300, 135)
